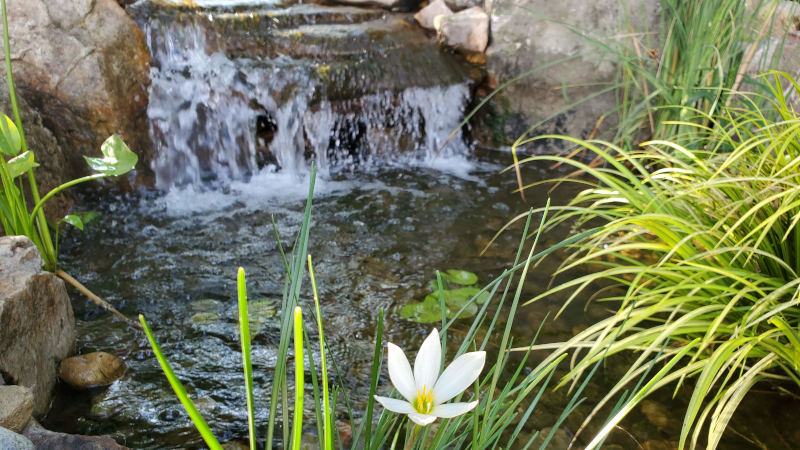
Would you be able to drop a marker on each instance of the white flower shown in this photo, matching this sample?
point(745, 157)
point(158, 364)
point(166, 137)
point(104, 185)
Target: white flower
point(424, 389)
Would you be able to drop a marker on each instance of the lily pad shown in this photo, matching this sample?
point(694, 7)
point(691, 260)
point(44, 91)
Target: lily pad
point(461, 277)
point(430, 311)
point(204, 318)
point(469, 292)
point(206, 304)
point(258, 312)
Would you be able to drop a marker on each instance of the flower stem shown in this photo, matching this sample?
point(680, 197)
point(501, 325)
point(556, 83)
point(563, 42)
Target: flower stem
point(410, 443)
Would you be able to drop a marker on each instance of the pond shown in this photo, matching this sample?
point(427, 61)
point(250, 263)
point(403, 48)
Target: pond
point(378, 236)
point(243, 95)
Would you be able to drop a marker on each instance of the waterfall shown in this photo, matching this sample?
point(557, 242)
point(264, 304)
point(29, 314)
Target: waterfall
point(217, 117)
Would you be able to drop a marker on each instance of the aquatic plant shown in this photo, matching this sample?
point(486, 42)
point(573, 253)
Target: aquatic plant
point(486, 413)
point(702, 246)
point(15, 217)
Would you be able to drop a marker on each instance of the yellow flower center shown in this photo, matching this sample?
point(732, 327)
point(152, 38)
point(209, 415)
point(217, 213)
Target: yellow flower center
point(424, 403)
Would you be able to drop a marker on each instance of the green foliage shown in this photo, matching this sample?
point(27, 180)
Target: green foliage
point(461, 297)
point(21, 164)
point(497, 421)
point(700, 245)
point(117, 159)
point(14, 214)
point(10, 141)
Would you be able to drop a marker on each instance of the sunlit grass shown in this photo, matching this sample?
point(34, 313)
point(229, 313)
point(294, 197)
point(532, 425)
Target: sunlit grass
point(696, 238)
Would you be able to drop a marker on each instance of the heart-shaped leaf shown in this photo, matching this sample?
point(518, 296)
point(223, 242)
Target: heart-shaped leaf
point(21, 164)
point(10, 141)
point(117, 159)
point(73, 220)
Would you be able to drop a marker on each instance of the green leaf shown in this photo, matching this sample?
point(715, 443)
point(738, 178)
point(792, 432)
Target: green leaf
point(468, 292)
point(10, 141)
point(88, 216)
point(460, 277)
point(73, 220)
point(21, 164)
point(118, 158)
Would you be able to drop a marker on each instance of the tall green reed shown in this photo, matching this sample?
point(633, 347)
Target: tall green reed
point(702, 246)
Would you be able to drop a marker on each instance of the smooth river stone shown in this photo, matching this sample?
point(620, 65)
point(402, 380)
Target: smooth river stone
point(91, 370)
point(16, 407)
point(13, 441)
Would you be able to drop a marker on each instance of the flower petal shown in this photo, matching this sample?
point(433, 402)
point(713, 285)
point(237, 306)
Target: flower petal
point(453, 409)
point(458, 376)
point(395, 405)
point(421, 419)
point(400, 373)
point(429, 362)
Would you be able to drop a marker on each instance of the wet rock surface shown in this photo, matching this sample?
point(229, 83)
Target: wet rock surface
point(52, 171)
point(91, 370)
point(49, 440)
point(13, 441)
point(16, 407)
point(83, 65)
point(37, 327)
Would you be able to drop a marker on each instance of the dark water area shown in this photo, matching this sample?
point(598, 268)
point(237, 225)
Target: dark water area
point(378, 236)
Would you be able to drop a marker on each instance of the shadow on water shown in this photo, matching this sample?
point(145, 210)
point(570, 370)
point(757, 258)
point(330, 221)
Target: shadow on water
point(377, 238)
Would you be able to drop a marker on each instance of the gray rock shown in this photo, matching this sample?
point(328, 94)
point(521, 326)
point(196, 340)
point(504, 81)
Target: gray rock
point(91, 370)
point(16, 407)
point(459, 5)
point(466, 30)
point(50, 440)
point(783, 16)
point(434, 9)
point(84, 66)
point(13, 441)
point(522, 41)
point(37, 326)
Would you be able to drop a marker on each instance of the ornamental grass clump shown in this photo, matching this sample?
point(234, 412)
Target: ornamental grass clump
point(477, 402)
point(695, 245)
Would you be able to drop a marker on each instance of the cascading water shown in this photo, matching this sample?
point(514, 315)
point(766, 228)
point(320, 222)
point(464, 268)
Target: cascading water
point(239, 90)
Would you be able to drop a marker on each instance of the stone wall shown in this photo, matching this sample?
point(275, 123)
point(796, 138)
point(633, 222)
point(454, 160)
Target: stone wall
point(37, 327)
point(527, 34)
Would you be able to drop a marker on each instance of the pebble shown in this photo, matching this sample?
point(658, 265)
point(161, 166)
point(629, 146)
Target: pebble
point(91, 370)
point(16, 407)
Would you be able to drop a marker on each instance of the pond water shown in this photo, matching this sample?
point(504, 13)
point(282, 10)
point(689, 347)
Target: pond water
point(244, 95)
point(378, 235)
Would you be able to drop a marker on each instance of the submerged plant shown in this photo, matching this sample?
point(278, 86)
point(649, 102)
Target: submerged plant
point(702, 246)
point(425, 390)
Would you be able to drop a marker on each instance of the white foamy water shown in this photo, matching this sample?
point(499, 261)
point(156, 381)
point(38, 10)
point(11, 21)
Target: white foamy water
point(205, 108)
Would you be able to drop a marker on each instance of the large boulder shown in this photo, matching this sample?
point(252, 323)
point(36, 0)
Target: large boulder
point(526, 34)
point(37, 327)
point(16, 407)
point(49, 440)
point(84, 65)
